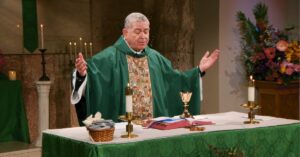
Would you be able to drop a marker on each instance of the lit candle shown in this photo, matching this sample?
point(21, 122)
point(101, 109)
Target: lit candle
point(85, 49)
point(80, 44)
point(20, 34)
point(75, 51)
point(128, 93)
point(70, 50)
point(251, 90)
point(91, 49)
point(12, 75)
point(42, 36)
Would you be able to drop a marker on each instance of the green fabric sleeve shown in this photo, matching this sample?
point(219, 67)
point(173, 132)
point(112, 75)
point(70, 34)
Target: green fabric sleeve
point(107, 77)
point(167, 83)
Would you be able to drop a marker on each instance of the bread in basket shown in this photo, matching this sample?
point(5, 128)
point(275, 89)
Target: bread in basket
point(99, 130)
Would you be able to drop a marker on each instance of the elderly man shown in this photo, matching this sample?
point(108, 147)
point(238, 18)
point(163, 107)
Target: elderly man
point(101, 81)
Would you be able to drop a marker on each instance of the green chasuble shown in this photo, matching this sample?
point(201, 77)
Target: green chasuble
point(108, 76)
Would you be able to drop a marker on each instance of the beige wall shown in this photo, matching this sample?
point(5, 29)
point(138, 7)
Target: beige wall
point(10, 35)
point(207, 39)
point(63, 21)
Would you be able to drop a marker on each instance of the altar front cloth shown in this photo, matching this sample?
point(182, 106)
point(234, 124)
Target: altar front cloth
point(272, 137)
point(13, 120)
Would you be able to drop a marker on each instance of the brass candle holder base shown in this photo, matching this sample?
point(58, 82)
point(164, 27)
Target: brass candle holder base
point(129, 126)
point(251, 114)
point(186, 97)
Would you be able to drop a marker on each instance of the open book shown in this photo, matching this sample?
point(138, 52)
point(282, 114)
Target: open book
point(174, 123)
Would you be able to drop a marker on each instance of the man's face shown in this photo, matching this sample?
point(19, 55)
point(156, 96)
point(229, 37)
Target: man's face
point(137, 36)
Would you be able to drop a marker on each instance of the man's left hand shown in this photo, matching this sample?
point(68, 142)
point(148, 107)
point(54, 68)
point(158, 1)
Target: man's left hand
point(208, 60)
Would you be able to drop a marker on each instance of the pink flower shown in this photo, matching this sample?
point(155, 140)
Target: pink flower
point(297, 68)
point(289, 70)
point(282, 45)
point(270, 52)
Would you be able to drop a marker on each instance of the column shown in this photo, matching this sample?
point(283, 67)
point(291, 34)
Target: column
point(43, 89)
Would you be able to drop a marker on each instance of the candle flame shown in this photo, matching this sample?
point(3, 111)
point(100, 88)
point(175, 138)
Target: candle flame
point(251, 78)
point(42, 25)
point(91, 43)
point(85, 43)
point(75, 43)
point(70, 43)
point(80, 38)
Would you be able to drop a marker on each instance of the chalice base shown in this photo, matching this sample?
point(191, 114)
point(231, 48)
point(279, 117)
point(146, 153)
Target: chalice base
point(186, 115)
point(129, 136)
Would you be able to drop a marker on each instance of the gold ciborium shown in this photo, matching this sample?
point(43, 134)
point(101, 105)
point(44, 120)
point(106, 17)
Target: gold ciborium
point(186, 97)
point(251, 114)
point(129, 126)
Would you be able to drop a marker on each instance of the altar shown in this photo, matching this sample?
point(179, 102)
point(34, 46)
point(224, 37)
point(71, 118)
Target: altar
point(13, 121)
point(271, 137)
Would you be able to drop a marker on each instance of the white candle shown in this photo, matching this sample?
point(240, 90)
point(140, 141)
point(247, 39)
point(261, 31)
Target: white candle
point(70, 50)
point(91, 49)
point(80, 44)
point(12, 75)
point(42, 36)
point(251, 90)
point(20, 34)
point(251, 94)
point(85, 49)
point(75, 51)
point(128, 103)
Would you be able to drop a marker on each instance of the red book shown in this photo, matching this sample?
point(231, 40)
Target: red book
point(169, 123)
point(199, 122)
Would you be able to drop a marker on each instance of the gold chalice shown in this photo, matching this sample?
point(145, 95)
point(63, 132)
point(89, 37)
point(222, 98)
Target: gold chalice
point(186, 97)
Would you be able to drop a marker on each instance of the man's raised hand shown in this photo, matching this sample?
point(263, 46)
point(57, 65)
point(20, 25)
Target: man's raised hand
point(80, 65)
point(208, 60)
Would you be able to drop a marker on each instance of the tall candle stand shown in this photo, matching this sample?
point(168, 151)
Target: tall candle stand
point(71, 63)
point(44, 76)
point(129, 126)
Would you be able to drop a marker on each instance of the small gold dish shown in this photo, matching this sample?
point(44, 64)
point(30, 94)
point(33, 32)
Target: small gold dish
point(197, 128)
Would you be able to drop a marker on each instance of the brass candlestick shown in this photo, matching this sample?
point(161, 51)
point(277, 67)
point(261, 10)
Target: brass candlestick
point(186, 97)
point(129, 127)
point(251, 114)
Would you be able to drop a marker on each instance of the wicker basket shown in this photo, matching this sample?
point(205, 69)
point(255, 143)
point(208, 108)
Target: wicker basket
point(102, 135)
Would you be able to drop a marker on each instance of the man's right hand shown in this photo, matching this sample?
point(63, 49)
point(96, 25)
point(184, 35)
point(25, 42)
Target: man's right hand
point(80, 65)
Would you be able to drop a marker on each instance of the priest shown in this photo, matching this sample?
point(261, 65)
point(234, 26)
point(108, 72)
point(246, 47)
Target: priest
point(99, 83)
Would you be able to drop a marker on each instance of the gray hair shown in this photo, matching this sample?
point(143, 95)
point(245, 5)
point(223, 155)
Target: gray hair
point(134, 17)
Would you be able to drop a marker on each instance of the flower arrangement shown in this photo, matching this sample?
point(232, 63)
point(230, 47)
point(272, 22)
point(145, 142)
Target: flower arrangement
point(268, 52)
